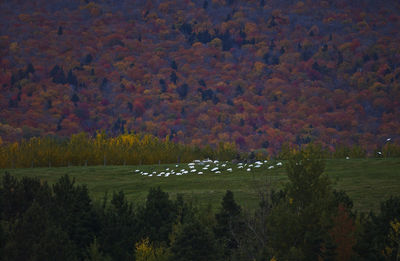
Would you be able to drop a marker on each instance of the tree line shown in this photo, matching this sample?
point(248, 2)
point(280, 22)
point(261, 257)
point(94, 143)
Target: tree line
point(342, 151)
point(126, 149)
point(306, 220)
point(83, 149)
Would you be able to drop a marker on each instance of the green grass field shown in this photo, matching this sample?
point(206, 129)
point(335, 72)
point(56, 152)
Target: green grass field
point(367, 181)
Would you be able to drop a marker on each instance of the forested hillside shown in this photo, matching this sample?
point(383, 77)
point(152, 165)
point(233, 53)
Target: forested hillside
point(256, 73)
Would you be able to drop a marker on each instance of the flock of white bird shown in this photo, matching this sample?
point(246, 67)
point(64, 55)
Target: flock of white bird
point(201, 167)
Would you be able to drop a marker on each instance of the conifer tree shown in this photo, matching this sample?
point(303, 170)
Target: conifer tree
point(194, 242)
point(228, 224)
point(158, 216)
point(298, 224)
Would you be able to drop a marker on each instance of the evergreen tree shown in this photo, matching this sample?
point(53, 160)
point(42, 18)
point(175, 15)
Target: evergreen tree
point(298, 224)
point(194, 242)
point(88, 59)
point(73, 211)
point(71, 79)
point(35, 237)
point(158, 216)
point(75, 98)
point(60, 30)
point(173, 77)
point(94, 253)
point(174, 65)
point(118, 228)
point(18, 196)
point(373, 239)
point(228, 224)
point(183, 90)
point(58, 75)
point(30, 69)
point(163, 85)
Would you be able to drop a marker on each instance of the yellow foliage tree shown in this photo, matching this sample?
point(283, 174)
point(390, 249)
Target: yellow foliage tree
point(82, 150)
point(145, 251)
point(393, 251)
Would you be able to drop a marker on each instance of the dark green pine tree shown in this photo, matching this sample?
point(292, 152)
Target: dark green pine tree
point(298, 225)
point(373, 239)
point(74, 212)
point(194, 242)
point(158, 216)
point(228, 224)
point(18, 195)
point(36, 237)
point(118, 228)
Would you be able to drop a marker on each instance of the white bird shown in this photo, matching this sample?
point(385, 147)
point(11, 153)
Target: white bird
point(223, 165)
point(270, 167)
point(279, 164)
point(257, 166)
point(166, 175)
point(167, 169)
point(178, 174)
point(192, 167)
point(185, 172)
point(218, 172)
point(230, 169)
point(249, 169)
point(214, 169)
point(176, 165)
point(200, 173)
point(216, 161)
point(347, 157)
point(258, 162)
point(380, 153)
point(205, 168)
point(240, 167)
point(137, 170)
point(151, 175)
point(193, 170)
point(251, 165)
point(159, 175)
point(191, 164)
point(388, 139)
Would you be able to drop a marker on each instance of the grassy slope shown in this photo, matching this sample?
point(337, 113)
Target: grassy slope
point(367, 181)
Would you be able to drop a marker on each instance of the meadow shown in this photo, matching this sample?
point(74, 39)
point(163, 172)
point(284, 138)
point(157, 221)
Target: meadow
point(367, 181)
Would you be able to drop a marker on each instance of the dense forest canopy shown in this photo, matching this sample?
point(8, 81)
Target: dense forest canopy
point(257, 73)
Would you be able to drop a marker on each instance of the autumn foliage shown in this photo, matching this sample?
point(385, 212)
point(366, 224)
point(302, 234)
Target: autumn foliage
point(126, 149)
point(257, 73)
